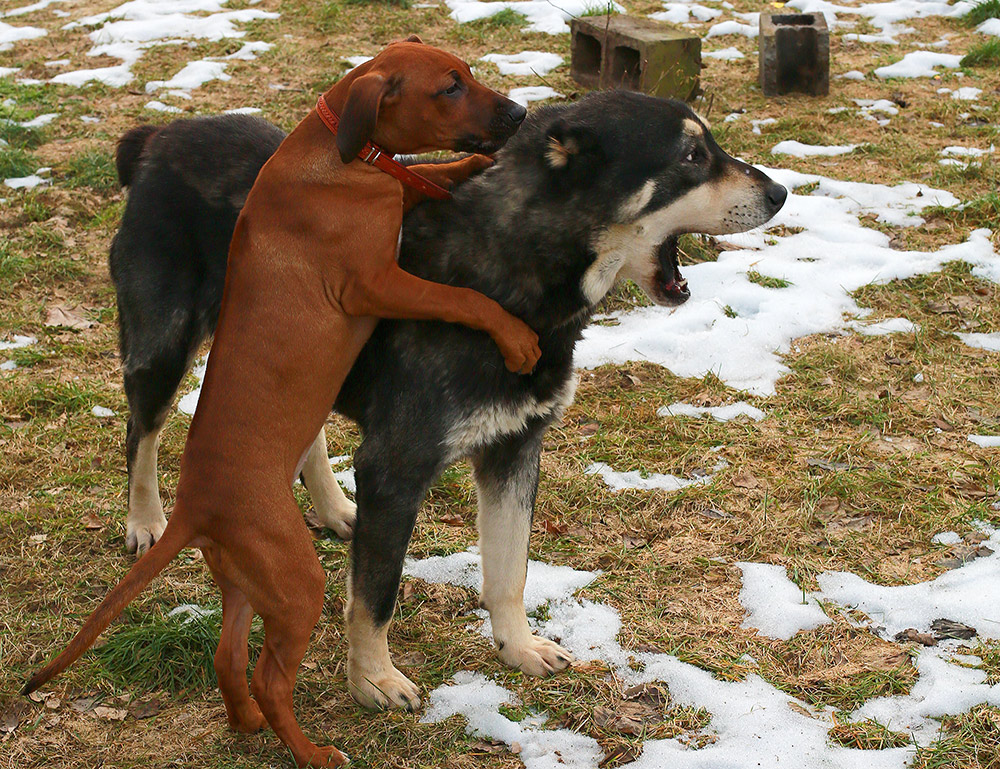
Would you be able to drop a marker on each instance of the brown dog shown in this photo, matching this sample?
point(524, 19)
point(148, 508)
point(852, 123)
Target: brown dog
point(311, 265)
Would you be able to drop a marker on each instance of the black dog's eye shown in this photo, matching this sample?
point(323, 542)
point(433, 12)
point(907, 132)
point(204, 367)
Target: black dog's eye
point(693, 156)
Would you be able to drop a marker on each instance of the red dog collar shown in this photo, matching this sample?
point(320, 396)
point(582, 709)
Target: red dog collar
point(373, 155)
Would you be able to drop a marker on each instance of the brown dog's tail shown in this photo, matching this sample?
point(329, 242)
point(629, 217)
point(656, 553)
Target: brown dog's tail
point(174, 538)
point(129, 151)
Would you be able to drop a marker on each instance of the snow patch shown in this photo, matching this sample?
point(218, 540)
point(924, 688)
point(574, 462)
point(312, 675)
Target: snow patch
point(718, 413)
point(524, 63)
point(986, 441)
point(532, 93)
point(619, 481)
point(989, 341)
point(775, 606)
point(919, 64)
point(800, 150)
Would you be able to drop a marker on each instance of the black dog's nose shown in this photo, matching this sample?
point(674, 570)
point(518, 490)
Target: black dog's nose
point(516, 113)
point(776, 196)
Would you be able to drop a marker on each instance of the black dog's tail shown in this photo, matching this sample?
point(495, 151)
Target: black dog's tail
point(129, 151)
point(176, 536)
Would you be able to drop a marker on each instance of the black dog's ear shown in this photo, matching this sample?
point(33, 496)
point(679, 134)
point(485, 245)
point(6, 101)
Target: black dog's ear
point(414, 39)
point(567, 144)
point(357, 124)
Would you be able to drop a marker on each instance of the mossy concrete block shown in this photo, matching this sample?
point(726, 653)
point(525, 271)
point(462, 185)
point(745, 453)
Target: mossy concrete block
point(635, 53)
point(794, 53)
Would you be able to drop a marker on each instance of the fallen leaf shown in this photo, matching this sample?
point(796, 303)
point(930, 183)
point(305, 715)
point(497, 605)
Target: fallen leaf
point(824, 464)
point(633, 541)
point(110, 714)
point(68, 316)
point(145, 708)
point(942, 425)
point(828, 505)
point(452, 519)
point(554, 527)
point(412, 659)
point(913, 635)
point(946, 628)
point(53, 703)
point(713, 512)
point(39, 538)
point(745, 481)
point(91, 522)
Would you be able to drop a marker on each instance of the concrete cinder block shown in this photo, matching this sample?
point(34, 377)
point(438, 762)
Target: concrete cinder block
point(635, 53)
point(794, 53)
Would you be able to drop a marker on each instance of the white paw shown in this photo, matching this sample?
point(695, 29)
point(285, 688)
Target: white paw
point(340, 518)
point(141, 533)
point(536, 656)
point(384, 689)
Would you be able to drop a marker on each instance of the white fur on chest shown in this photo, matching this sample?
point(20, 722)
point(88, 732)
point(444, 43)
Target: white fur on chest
point(489, 422)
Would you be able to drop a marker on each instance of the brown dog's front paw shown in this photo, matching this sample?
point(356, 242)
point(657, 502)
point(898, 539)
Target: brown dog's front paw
point(519, 346)
point(479, 163)
point(324, 758)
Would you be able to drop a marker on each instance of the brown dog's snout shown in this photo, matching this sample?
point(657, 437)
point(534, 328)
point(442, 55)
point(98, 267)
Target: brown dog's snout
point(516, 113)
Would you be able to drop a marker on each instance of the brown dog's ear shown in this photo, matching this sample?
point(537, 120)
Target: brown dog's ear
point(414, 39)
point(357, 124)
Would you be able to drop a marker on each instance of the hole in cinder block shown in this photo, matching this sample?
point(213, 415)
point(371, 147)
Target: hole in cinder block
point(587, 56)
point(794, 20)
point(798, 58)
point(625, 67)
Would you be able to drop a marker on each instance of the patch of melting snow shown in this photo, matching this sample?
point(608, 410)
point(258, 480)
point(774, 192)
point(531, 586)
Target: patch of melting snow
point(243, 111)
point(718, 413)
point(683, 13)
point(633, 479)
point(193, 75)
point(540, 15)
point(982, 341)
point(30, 8)
point(26, 182)
point(738, 330)
point(733, 28)
point(800, 150)
point(725, 54)
point(946, 538)
point(533, 93)
point(159, 106)
point(854, 74)
point(357, 61)
point(189, 402)
point(775, 606)
point(966, 93)
point(919, 64)
point(102, 412)
point(131, 28)
point(989, 27)
point(986, 441)
point(8, 71)
point(9, 34)
point(524, 63)
point(751, 720)
point(764, 121)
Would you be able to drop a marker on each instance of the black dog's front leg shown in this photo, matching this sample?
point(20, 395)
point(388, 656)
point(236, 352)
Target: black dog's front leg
point(388, 498)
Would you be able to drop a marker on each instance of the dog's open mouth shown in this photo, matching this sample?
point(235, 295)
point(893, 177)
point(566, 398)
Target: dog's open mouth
point(671, 287)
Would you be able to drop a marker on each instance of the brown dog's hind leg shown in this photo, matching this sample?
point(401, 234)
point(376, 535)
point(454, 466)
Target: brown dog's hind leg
point(287, 592)
point(232, 657)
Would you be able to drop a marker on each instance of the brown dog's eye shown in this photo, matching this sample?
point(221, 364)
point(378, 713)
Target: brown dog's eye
point(455, 88)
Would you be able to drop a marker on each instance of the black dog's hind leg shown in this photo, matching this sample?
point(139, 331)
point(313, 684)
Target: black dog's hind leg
point(150, 391)
point(388, 497)
point(333, 508)
point(506, 483)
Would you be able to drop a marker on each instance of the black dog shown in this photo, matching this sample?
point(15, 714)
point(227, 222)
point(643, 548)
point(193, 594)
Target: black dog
point(583, 195)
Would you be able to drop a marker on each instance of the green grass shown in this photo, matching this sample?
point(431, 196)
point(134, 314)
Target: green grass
point(983, 54)
point(599, 10)
point(166, 653)
point(983, 211)
point(988, 9)
point(93, 168)
point(766, 280)
point(868, 735)
point(506, 18)
point(15, 162)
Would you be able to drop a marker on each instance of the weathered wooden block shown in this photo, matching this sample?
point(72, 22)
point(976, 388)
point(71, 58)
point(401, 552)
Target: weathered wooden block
point(794, 53)
point(635, 53)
